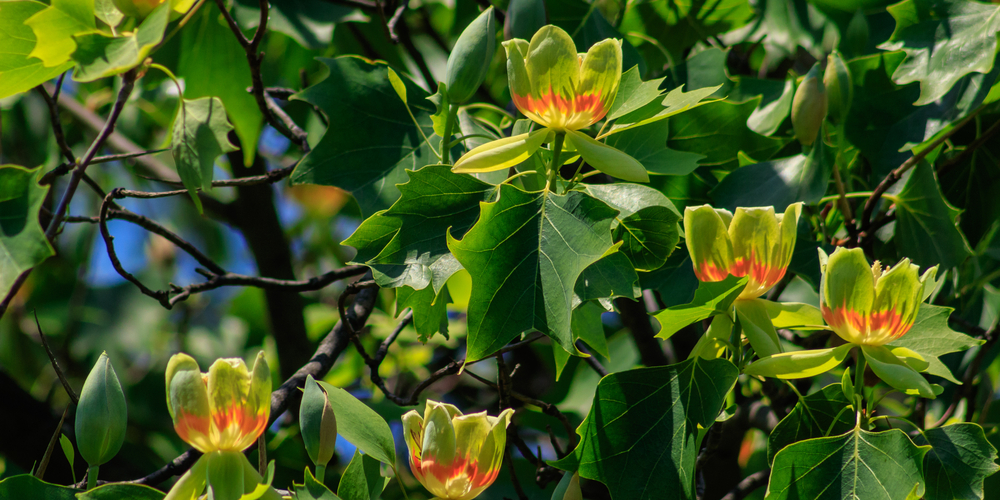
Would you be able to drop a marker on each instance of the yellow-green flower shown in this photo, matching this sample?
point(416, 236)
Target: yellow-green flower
point(562, 91)
point(455, 456)
point(753, 242)
point(219, 413)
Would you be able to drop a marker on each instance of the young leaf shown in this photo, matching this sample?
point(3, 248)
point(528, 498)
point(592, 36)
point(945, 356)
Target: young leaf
point(362, 480)
point(406, 245)
point(611, 276)
point(959, 460)
point(710, 299)
point(99, 55)
point(360, 425)
point(525, 254)
point(199, 138)
point(23, 244)
point(676, 101)
point(20, 72)
point(56, 26)
point(641, 437)
point(820, 414)
point(430, 310)
point(68, 452)
point(854, 465)
point(633, 93)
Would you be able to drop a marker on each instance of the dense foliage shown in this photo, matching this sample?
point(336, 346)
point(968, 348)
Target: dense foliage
point(565, 249)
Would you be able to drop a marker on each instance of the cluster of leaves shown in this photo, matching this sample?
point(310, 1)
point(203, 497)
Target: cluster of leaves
point(583, 268)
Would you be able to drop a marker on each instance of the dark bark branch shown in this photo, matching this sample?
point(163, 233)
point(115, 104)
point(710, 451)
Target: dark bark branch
point(748, 485)
point(636, 319)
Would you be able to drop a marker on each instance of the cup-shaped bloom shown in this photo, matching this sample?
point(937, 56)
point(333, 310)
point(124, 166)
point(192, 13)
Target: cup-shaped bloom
point(225, 409)
point(870, 305)
point(101, 415)
point(455, 456)
point(558, 88)
point(753, 242)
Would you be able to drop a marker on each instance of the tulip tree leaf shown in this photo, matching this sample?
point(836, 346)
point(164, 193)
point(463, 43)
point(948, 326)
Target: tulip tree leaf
point(783, 26)
point(213, 64)
point(825, 410)
point(118, 491)
point(959, 460)
point(99, 55)
point(675, 102)
point(641, 437)
point(646, 224)
point(22, 239)
point(312, 489)
point(926, 223)
point(525, 254)
point(28, 486)
point(648, 145)
point(55, 26)
point(858, 464)
point(944, 40)
point(777, 183)
point(710, 298)
point(360, 425)
point(406, 244)
point(931, 337)
point(106, 11)
point(362, 480)
point(719, 131)
point(367, 155)
point(309, 23)
point(633, 93)
point(200, 136)
point(612, 276)
point(678, 25)
point(430, 310)
point(20, 72)
point(774, 107)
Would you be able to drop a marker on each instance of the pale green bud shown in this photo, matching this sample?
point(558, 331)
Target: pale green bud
point(318, 423)
point(470, 58)
point(101, 415)
point(809, 107)
point(839, 87)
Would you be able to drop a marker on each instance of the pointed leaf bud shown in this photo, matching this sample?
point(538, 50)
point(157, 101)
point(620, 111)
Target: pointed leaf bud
point(470, 58)
point(101, 416)
point(809, 107)
point(318, 423)
point(839, 87)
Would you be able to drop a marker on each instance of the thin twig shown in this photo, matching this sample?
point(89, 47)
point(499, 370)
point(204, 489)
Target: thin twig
point(57, 128)
point(44, 464)
point(55, 364)
point(748, 485)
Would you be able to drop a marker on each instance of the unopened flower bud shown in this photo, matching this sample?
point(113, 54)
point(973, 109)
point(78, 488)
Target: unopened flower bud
point(101, 415)
point(470, 58)
point(809, 107)
point(839, 87)
point(318, 423)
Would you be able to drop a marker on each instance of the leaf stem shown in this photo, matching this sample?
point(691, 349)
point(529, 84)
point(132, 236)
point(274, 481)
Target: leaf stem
point(449, 125)
point(400, 482)
point(554, 164)
point(321, 473)
point(859, 383)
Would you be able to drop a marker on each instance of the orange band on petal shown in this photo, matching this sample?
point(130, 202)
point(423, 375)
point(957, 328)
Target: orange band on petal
point(555, 111)
point(708, 272)
point(762, 275)
point(876, 328)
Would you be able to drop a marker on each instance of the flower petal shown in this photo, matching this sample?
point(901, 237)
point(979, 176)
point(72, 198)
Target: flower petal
point(601, 71)
point(439, 440)
point(847, 293)
point(708, 243)
point(187, 400)
point(755, 236)
point(606, 158)
point(799, 364)
point(501, 153)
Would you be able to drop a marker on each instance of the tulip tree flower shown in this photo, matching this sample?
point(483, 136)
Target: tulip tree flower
point(867, 306)
point(219, 413)
point(563, 92)
point(754, 242)
point(455, 456)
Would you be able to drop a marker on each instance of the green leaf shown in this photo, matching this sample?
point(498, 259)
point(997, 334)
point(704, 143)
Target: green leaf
point(586, 326)
point(67, 449)
point(28, 486)
point(106, 11)
point(931, 337)
point(213, 64)
point(777, 183)
point(794, 315)
point(406, 244)
point(859, 464)
point(525, 254)
point(430, 310)
point(944, 40)
point(719, 131)
point(648, 236)
point(200, 136)
point(99, 55)
point(926, 222)
point(648, 145)
point(56, 26)
point(676, 101)
point(679, 24)
point(757, 327)
point(633, 93)
point(311, 24)
point(611, 276)
point(361, 426)
point(642, 435)
point(896, 372)
point(22, 239)
point(710, 299)
point(775, 104)
point(20, 72)
point(606, 158)
point(782, 27)
point(119, 491)
point(362, 480)
point(820, 414)
point(312, 489)
point(959, 460)
point(367, 155)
